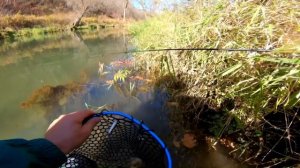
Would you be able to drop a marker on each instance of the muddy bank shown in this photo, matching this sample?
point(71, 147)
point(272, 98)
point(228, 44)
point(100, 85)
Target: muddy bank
point(271, 141)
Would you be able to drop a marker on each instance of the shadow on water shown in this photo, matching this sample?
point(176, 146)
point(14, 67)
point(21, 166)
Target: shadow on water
point(191, 124)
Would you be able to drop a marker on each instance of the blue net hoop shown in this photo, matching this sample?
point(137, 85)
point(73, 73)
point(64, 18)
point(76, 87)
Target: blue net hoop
point(120, 140)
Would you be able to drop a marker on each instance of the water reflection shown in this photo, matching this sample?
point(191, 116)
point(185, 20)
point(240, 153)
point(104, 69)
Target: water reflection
point(56, 61)
point(46, 78)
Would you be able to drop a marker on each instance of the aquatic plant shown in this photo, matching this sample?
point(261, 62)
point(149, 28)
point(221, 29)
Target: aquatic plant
point(121, 75)
point(49, 96)
point(248, 86)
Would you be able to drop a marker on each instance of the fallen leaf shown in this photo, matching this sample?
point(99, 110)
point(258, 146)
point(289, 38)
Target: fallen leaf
point(189, 140)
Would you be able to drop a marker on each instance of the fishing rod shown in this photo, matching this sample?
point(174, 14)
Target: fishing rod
point(197, 49)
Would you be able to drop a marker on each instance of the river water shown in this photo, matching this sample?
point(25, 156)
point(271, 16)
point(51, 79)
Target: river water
point(44, 77)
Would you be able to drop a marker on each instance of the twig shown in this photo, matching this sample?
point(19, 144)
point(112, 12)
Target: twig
point(286, 131)
point(274, 126)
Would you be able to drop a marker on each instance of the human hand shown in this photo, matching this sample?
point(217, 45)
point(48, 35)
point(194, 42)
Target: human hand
point(67, 131)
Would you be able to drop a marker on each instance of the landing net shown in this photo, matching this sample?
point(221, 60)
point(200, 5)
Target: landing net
point(118, 141)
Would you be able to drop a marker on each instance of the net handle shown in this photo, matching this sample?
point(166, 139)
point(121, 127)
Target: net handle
point(131, 118)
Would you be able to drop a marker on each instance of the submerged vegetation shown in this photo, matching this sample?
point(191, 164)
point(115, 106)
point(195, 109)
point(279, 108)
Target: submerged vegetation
point(52, 95)
point(252, 98)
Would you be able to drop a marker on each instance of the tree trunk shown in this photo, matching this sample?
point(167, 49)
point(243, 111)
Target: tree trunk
point(125, 8)
point(76, 23)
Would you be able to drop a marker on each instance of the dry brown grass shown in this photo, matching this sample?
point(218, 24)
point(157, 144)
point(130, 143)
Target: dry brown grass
point(54, 20)
point(28, 21)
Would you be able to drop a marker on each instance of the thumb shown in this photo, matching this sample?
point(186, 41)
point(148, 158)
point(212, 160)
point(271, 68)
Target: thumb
point(90, 124)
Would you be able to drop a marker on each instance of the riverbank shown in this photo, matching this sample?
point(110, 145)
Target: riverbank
point(247, 101)
point(18, 26)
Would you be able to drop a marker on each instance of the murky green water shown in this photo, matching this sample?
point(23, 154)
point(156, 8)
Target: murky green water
point(61, 72)
point(56, 61)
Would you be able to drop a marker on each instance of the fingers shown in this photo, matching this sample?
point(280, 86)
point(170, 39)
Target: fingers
point(88, 127)
point(81, 115)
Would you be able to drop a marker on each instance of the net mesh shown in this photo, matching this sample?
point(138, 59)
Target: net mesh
point(118, 142)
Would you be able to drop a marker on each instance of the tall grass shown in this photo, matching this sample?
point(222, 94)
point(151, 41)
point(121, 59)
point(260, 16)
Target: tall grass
point(249, 86)
point(257, 82)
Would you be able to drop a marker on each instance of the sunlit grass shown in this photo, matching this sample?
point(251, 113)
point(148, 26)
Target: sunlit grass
point(236, 91)
point(258, 83)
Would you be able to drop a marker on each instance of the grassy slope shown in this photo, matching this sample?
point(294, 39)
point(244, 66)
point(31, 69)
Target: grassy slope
point(248, 85)
point(267, 78)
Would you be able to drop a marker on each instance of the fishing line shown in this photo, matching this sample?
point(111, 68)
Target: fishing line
point(197, 49)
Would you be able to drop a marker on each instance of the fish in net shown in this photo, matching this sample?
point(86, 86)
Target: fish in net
point(120, 141)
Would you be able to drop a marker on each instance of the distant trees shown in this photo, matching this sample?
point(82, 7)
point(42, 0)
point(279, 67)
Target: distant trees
point(155, 6)
point(125, 8)
point(112, 8)
point(6, 5)
point(7, 2)
point(36, 7)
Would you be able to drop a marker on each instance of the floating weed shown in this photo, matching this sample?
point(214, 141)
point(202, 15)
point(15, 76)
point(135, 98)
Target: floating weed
point(121, 75)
